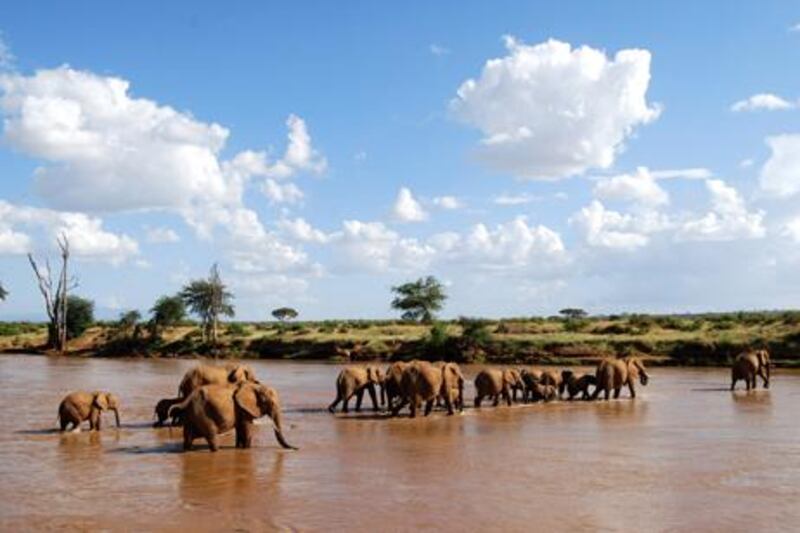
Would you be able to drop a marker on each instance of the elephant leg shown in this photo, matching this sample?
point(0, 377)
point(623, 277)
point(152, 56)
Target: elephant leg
point(478, 400)
point(94, 420)
point(617, 390)
point(373, 397)
point(400, 404)
point(448, 401)
point(187, 438)
point(631, 388)
point(212, 442)
point(413, 407)
point(507, 396)
point(606, 393)
point(733, 383)
point(429, 406)
point(496, 401)
point(359, 399)
point(332, 407)
point(346, 401)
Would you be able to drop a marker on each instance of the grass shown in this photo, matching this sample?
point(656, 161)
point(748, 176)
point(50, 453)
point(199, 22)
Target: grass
point(706, 339)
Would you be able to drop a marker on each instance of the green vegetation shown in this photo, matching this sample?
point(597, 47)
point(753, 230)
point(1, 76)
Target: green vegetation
point(80, 315)
point(419, 300)
point(209, 299)
point(168, 311)
point(284, 313)
point(3, 292)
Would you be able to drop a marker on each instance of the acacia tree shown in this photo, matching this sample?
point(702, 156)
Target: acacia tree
point(208, 299)
point(284, 313)
point(418, 300)
point(55, 296)
point(167, 311)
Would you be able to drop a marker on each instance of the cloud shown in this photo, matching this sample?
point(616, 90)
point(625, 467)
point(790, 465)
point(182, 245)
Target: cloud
point(7, 58)
point(604, 228)
point(791, 229)
point(697, 173)
point(406, 208)
point(87, 237)
point(438, 50)
point(277, 193)
point(551, 111)
point(728, 219)
point(514, 199)
point(795, 27)
point(300, 156)
point(162, 235)
point(448, 202)
point(763, 101)
point(514, 244)
point(780, 175)
point(301, 230)
point(639, 187)
point(371, 246)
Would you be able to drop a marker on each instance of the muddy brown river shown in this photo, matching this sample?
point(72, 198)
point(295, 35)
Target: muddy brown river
point(686, 454)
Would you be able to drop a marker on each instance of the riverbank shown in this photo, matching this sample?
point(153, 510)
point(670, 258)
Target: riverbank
point(685, 340)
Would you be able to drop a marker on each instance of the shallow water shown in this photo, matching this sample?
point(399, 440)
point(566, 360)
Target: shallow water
point(686, 454)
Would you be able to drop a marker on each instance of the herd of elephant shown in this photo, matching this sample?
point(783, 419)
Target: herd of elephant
point(215, 399)
point(421, 383)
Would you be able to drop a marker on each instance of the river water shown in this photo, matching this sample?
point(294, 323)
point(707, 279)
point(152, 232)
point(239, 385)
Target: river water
point(686, 454)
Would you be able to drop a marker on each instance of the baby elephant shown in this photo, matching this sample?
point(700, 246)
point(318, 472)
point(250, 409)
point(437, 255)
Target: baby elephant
point(353, 381)
point(578, 384)
point(79, 406)
point(161, 412)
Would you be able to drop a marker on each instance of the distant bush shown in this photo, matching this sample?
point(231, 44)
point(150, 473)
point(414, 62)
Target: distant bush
point(8, 329)
point(574, 325)
point(474, 332)
point(236, 329)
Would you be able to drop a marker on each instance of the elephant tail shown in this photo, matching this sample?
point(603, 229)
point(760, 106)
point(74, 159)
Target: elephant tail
point(179, 408)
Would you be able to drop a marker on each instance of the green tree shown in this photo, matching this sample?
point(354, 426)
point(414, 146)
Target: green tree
point(209, 299)
point(79, 317)
point(573, 313)
point(168, 311)
point(3, 292)
point(284, 313)
point(128, 323)
point(418, 300)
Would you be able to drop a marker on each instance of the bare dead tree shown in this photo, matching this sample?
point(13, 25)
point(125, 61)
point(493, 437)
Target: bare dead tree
point(55, 297)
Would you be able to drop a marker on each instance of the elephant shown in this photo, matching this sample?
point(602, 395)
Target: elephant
point(539, 392)
point(205, 374)
point(161, 412)
point(494, 383)
point(354, 380)
point(212, 410)
point(749, 365)
point(392, 382)
point(79, 406)
point(530, 377)
point(616, 373)
point(577, 384)
point(554, 378)
point(514, 378)
point(452, 387)
point(421, 382)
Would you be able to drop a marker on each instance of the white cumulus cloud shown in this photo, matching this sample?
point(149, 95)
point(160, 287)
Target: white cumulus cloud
point(639, 187)
point(550, 110)
point(780, 175)
point(727, 220)
point(406, 208)
point(448, 202)
point(763, 101)
point(162, 235)
point(281, 193)
point(301, 230)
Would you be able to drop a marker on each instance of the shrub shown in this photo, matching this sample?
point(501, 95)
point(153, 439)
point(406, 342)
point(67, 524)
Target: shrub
point(474, 332)
point(80, 315)
point(236, 329)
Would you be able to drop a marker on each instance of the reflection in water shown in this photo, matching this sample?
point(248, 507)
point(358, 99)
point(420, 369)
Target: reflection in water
point(671, 459)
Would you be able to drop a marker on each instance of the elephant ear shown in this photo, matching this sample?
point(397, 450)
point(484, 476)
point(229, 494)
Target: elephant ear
point(237, 375)
point(247, 400)
point(100, 401)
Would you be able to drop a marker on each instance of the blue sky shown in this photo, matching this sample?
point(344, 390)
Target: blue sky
point(614, 156)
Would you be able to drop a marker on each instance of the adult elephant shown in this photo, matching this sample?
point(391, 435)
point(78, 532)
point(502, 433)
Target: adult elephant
point(206, 374)
point(613, 374)
point(492, 383)
point(553, 378)
point(452, 387)
point(392, 383)
point(353, 381)
point(421, 383)
point(749, 365)
point(515, 383)
point(530, 377)
point(79, 406)
point(213, 410)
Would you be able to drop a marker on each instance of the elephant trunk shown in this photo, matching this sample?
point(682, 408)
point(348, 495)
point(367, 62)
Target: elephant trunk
point(383, 393)
point(116, 415)
point(276, 423)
